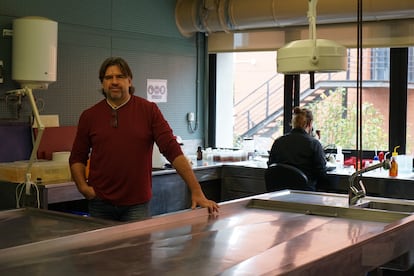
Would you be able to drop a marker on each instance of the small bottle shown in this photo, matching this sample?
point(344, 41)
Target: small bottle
point(394, 164)
point(381, 156)
point(376, 161)
point(199, 154)
point(339, 158)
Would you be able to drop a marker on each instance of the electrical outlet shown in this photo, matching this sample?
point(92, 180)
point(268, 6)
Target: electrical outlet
point(7, 32)
point(190, 117)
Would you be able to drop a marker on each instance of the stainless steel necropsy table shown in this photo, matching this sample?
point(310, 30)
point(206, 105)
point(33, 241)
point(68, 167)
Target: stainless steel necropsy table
point(247, 238)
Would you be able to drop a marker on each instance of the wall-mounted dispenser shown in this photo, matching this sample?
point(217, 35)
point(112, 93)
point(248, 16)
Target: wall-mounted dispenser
point(34, 53)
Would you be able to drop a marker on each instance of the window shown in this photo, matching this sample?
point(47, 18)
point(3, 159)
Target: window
point(380, 64)
point(252, 84)
point(254, 93)
point(334, 104)
point(411, 66)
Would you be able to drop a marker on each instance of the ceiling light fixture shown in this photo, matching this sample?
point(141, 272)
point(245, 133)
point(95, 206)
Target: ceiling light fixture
point(311, 55)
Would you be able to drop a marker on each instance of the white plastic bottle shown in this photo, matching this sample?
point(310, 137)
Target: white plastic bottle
point(339, 158)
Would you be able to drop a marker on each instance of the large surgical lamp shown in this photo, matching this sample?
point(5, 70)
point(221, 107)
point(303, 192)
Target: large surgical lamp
point(311, 55)
point(34, 62)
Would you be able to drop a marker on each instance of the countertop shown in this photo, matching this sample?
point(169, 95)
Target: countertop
point(261, 163)
point(29, 225)
point(241, 240)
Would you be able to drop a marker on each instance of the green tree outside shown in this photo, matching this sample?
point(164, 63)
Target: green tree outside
point(337, 122)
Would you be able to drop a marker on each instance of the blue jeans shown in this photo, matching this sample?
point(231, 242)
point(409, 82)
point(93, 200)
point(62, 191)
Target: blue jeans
point(99, 208)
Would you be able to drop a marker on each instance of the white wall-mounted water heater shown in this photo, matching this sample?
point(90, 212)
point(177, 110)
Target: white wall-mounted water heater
point(34, 53)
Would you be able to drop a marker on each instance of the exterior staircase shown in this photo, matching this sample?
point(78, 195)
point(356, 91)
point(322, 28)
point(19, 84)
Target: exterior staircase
point(263, 116)
point(261, 111)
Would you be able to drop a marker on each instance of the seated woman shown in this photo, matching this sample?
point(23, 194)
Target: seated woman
point(299, 149)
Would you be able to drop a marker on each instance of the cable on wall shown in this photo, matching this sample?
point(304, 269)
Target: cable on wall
point(199, 56)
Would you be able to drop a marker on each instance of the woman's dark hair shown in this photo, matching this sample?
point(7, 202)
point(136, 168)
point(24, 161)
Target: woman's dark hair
point(123, 66)
point(301, 117)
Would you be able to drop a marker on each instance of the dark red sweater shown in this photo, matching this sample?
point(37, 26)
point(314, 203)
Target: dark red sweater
point(121, 157)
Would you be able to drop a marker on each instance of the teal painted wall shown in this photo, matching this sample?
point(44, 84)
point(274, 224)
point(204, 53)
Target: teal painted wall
point(143, 32)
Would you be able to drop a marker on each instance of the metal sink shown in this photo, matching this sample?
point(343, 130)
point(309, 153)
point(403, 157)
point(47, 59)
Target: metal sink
point(336, 206)
point(387, 206)
point(357, 213)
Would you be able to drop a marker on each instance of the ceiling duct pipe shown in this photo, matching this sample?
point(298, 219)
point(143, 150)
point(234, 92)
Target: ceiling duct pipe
point(211, 16)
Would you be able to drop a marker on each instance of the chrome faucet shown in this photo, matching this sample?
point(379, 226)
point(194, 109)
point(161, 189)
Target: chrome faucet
point(355, 193)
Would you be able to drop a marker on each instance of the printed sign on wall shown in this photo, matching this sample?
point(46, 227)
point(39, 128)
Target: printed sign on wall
point(157, 90)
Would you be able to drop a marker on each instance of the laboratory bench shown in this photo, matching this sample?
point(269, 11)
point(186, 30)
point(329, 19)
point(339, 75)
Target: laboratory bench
point(249, 236)
point(280, 233)
point(377, 183)
point(24, 226)
point(219, 181)
point(169, 192)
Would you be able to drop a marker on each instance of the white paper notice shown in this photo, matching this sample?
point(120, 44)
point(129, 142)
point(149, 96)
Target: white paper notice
point(157, 90)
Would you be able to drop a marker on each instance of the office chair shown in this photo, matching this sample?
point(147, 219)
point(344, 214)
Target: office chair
point(284, 176)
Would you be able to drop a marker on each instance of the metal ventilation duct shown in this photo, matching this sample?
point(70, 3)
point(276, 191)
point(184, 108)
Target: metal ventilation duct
point(211, 16)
